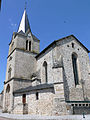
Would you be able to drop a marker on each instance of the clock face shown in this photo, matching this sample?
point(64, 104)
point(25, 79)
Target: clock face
point(29, 35)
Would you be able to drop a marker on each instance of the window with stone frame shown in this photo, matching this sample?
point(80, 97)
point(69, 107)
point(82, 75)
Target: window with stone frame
point(27, 45)
point(75, 68)
point(7, 96)
point(45, 71)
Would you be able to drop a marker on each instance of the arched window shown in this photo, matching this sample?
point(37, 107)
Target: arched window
point(27, 45)
point(75, 69)
point(7, 97)
point(45, 69)
point(9, 73)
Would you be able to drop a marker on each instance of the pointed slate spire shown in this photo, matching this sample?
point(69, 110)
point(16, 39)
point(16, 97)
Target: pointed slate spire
point(24, 24)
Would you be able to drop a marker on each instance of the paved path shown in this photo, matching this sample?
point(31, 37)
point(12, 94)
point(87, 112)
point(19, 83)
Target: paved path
point(6, 116)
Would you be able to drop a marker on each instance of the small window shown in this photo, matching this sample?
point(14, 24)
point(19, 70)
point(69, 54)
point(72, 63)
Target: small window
point(37, 96)
point(30, 46)
point(45, 71)
point(72, 45)
point(27, 45)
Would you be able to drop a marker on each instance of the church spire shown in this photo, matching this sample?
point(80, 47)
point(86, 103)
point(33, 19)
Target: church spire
point(24, 24)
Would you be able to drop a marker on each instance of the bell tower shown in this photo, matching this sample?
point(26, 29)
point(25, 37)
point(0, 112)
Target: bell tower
point(21, 61)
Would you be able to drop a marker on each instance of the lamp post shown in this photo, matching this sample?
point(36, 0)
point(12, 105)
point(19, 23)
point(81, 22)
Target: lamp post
point(83, 115)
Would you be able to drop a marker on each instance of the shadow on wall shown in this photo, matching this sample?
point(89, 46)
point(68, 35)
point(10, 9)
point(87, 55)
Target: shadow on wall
point(66, 87)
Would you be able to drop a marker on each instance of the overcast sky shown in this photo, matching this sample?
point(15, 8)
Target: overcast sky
point(49, 20)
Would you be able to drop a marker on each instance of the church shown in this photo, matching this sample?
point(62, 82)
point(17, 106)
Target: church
point(53, 82)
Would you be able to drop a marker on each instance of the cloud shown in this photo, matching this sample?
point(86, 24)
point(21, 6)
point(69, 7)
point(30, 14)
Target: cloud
point(12, 25)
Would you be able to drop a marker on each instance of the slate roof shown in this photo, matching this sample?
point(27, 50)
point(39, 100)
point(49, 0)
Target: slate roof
point(34, 37)
point(33, 88)
point(24, 24)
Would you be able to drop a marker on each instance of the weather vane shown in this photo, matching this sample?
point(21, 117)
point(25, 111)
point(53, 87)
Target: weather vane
point(25, 4)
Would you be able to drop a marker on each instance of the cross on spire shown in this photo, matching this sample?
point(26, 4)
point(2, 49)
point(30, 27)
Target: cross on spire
point(25, 4)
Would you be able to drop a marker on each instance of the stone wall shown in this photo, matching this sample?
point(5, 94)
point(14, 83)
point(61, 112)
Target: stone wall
point(50, 101)
point(8, 97)
point(81, 110)
point(1, 100)
point(42, 106)
point(18, 105)
point(25, 64)
point(21, 63)
point(54, 73)
point(19, 41)
point(65, 49)
point(21, 83)
point(48, 58)
point(10, 64)
point(61, 56)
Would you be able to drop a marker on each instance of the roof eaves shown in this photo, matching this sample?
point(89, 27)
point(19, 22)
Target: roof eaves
point(77, 41)
point(54, 42)
point(33, 88)
point(60, 40)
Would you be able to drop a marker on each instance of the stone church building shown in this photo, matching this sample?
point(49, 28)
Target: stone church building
point(55, 81)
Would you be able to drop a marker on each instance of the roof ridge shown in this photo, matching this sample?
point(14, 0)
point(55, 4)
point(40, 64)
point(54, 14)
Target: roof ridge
point(54, 42)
